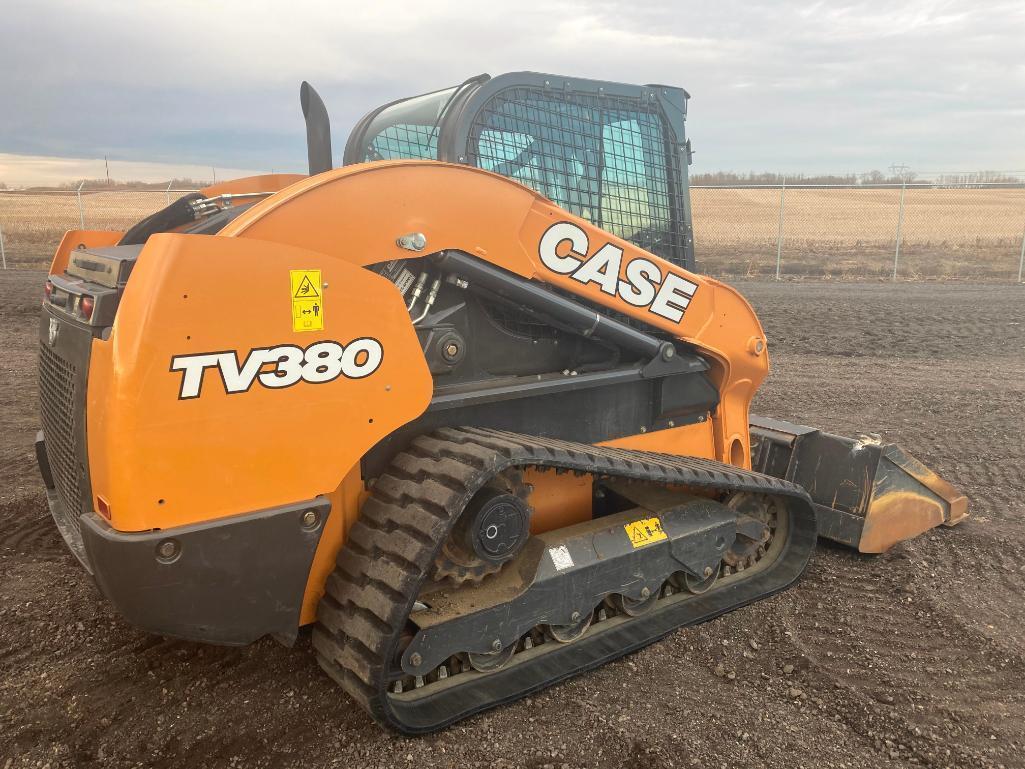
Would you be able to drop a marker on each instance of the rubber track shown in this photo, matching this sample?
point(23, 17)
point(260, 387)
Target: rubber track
point(413, 506)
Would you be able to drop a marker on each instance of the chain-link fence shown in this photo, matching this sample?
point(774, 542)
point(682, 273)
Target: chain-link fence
point(32, 222)
point(907, 231)
point(912, 231)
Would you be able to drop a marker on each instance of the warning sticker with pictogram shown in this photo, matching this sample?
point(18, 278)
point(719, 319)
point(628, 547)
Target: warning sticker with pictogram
point(307, 300)
point(645, 532)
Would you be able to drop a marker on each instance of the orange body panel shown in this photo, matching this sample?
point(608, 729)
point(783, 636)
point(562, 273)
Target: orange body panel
point(696, 440)
point(557, 500)
point(357, 212)
point(75, 239)
point(261, 183)
point(346, 501)
point(160, 461)
point(560, 500)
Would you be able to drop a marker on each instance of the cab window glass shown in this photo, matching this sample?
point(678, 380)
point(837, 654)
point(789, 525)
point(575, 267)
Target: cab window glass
point(408, 129)
point(603, 162)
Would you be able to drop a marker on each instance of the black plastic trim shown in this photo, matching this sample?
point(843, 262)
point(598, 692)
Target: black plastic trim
point(228, 581)
point(43, 461)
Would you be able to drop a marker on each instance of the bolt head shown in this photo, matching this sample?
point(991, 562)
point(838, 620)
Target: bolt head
point(496, 645)
point(451, 349)
point(645, 592)
point(708, 571)
point(167, 549)
point(310, 518)
point(415, 659)
point(412, 241)
point(574, 617)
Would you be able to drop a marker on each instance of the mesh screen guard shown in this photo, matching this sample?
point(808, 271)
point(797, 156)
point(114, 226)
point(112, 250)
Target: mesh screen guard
point(603, 158)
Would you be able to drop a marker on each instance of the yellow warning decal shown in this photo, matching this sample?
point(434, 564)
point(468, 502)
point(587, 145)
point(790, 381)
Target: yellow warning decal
point(645, 532)
point(307, 300)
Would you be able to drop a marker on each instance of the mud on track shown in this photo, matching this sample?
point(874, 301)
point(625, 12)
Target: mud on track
point(913, 658)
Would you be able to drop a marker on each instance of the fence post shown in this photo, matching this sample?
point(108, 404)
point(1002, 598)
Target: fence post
point(3, 254)
point(81, 213)
point(1021, 259)
point(779, 238)
point(900, 222)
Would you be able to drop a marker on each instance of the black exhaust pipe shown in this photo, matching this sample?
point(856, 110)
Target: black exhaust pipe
point(318, 129)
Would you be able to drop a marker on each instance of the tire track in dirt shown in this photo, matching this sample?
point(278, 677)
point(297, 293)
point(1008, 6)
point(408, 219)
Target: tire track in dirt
point(877, 646)
point(982, 593)
point(26, 528)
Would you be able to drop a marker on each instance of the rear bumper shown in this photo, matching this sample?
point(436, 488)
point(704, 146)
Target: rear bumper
point(228, 581)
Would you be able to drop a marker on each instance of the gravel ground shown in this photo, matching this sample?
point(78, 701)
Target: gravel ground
point(912, 658)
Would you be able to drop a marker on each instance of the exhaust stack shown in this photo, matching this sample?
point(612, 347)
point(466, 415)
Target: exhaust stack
point(318, 129)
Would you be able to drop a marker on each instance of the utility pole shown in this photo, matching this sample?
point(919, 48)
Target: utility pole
point(106, 165)
point(900, 170)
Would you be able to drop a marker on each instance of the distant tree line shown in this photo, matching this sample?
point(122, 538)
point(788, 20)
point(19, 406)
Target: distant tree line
point(103, 184)
point(731, 177)
point(979, 177)
point(727, 178)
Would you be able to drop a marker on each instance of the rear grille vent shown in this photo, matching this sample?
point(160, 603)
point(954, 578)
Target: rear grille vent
point(57, 408)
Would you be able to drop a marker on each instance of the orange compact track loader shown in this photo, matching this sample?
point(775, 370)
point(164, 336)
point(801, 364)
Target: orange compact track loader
point(464, 405)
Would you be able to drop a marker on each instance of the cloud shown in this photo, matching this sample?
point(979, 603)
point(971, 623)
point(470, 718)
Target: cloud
point(810, 86)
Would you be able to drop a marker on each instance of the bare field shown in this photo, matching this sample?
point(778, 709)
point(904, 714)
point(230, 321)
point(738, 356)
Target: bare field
point(33, 224)
point(850, 232)
point(914, 658)
point(832, 233)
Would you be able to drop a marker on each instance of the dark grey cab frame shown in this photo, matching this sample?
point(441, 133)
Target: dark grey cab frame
point(455, 141)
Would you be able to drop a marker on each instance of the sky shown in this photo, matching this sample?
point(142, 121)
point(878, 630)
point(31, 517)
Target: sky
point(812, 87)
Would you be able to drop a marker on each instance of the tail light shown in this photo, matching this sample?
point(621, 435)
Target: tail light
point(48, 289)
point(85, 306)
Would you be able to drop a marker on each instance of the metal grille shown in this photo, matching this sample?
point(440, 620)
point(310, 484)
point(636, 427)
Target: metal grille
point(57, 408)
point(603, 158)
point(404, 142)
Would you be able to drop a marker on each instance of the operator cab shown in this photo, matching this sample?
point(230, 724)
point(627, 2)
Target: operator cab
point(610, 153)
